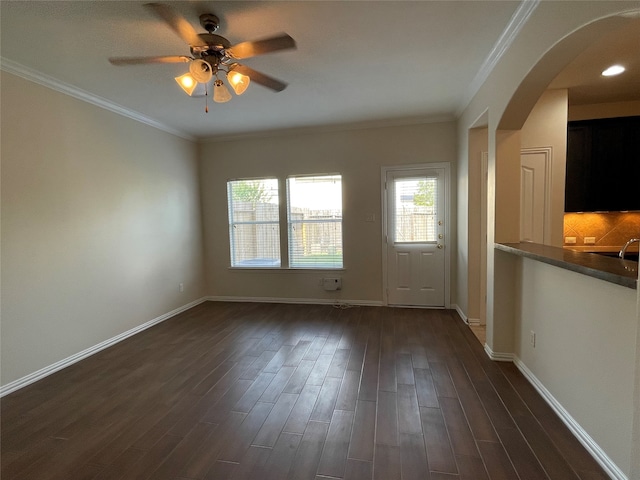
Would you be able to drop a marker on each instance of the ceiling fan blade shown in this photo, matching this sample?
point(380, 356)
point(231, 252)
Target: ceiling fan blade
point(177, 23)
point(260, 78)
point(148, 60)
point(260, 47)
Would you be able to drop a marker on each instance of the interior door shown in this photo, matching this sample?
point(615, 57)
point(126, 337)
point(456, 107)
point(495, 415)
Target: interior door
point(415, 228)
point(534, 185)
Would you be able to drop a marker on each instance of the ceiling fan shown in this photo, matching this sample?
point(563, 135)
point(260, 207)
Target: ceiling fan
point(213, 55)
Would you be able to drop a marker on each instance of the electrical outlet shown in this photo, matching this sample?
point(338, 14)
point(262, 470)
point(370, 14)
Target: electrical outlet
point(589, 240)
point(332, 283)
point(569, 240)
point(181, 287)
point(532, 339)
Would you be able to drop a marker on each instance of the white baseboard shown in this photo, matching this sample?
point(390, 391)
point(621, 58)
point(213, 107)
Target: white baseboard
point(580, 433)
point(461, 313)
point(465, 319)
point(46, 371)
point(498, 356)
point(306, 301)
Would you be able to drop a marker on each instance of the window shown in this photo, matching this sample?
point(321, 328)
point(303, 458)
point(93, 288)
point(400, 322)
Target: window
point(254, 222)
point(313, 229)
point(314, 213)
point(415, 205)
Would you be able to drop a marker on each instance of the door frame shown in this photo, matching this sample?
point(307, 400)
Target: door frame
point(484, 206)
point(547, 153)
point(448, 244)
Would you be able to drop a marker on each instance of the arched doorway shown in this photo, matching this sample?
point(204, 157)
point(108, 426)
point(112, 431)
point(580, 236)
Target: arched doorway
point(555, 367)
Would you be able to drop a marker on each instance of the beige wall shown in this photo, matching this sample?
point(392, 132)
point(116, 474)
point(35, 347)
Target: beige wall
point(635, 430)
point(546, 126)
point(585, 343)
point(100, 223)
point(604, 110)
point(356, 154)
point(471, 290)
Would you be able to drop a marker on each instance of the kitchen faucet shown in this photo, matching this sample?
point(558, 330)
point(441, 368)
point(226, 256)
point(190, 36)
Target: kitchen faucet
point(626, 245)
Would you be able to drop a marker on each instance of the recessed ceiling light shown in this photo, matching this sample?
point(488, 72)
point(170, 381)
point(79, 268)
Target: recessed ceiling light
point(613, 70)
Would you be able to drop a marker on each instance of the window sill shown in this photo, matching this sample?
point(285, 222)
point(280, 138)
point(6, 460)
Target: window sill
point(284, 269)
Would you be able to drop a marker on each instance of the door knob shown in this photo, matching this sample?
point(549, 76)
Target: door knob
point(440, 246)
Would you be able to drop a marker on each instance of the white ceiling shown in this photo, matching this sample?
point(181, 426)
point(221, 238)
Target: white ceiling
point(357, 62)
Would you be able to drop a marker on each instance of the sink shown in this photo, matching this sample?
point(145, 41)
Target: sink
point(628, 256)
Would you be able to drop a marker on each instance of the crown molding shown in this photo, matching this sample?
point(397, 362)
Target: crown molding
point(633, 13)
point(34, 76)
point(511, 31)
point(330, 128)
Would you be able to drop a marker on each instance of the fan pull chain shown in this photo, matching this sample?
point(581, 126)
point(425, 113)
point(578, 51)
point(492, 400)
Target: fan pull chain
point(206, 99)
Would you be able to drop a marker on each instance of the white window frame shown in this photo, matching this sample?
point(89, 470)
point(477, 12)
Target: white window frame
point(284, 225)
point(233, 223)
point(291, 225)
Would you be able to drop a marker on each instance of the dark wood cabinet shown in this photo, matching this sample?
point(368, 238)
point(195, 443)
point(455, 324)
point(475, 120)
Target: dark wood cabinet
point(603, 165)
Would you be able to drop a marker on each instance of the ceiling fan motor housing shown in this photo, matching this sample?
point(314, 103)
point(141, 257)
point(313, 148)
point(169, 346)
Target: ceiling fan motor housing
point(209, 22)
point(210, 43)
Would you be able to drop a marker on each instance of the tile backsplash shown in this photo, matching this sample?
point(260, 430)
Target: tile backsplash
point(610, 229)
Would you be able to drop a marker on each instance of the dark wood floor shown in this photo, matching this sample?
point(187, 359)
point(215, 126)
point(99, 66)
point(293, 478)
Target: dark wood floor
point(265, 391)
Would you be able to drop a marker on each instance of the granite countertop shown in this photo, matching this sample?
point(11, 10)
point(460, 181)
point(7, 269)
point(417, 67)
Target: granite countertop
point(614, 270)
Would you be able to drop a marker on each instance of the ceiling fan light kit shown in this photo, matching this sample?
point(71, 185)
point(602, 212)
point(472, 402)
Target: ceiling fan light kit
point(211, 55)
point(238, 81)
point(200, 71)
point(187, 83)
point(220, 92)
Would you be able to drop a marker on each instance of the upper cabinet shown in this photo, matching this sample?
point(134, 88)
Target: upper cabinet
point(603, 165)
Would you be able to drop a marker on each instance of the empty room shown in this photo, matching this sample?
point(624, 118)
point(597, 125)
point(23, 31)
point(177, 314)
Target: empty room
point(320, 240)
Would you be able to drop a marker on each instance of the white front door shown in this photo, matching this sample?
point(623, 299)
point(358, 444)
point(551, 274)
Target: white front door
point(415, 236)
